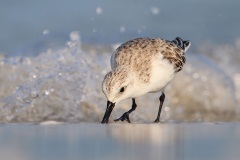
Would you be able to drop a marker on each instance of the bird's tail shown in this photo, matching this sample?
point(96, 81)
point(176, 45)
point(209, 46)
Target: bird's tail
point(182, 44)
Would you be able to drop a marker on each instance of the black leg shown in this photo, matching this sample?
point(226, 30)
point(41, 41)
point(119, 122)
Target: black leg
point(109, 109)
point(161, 99)
point(125, 116)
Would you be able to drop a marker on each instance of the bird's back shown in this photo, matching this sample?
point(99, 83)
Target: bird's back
point(138, 53)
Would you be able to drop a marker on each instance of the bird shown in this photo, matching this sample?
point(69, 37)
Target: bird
point(141, 66)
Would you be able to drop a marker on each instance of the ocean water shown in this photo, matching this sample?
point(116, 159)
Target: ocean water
point(55, 54)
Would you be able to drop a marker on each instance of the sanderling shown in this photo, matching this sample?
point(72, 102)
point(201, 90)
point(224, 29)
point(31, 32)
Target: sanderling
point(141, 66)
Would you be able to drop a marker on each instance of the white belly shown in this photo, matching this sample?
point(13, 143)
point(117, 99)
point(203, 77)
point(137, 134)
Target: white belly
point(162, 74)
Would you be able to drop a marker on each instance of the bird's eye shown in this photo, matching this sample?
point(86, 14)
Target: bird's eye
point(122, 89)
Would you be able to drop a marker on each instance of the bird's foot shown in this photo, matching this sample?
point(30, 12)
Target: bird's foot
point(124, 117)
point(157, 120)
point(104, 121)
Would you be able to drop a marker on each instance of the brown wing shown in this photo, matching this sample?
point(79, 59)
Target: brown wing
point(174, 55)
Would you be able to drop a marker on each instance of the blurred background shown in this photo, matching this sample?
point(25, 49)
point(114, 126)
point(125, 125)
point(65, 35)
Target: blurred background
point(54, 55)
point(27, 27)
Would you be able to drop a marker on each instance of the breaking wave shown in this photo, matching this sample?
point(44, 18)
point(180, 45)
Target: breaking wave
point(65, 85)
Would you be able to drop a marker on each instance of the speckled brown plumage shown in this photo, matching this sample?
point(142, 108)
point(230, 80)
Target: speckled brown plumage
point(116, 78)
point(138, 53)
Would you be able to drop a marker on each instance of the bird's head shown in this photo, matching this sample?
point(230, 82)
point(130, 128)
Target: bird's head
point(118, 85)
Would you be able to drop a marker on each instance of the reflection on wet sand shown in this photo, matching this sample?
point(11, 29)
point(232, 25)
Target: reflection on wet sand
point(150, 141)
point(120, 141)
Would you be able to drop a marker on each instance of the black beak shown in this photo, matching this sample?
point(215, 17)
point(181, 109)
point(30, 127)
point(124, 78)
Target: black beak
point(109, 109)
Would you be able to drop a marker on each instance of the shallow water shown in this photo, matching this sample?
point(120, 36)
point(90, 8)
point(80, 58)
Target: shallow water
point(52, 68)
point(173, 141)
point(54, 55)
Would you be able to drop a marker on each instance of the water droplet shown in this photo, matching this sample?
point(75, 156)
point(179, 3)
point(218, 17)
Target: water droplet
point(154, 10)
point(166, 109)
point(139, 31)
point(196, 75)
point(99, 10)
point(46, 31)
point(75, 36)
point(46, 92)
point(94, 30)
point(122, 29)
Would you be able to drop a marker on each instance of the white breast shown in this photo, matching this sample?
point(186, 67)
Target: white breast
point(162, 74)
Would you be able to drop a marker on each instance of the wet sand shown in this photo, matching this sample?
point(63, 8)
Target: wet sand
point(168, 141)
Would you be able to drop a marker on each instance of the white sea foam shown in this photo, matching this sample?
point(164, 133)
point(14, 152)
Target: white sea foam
point(65, 85)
